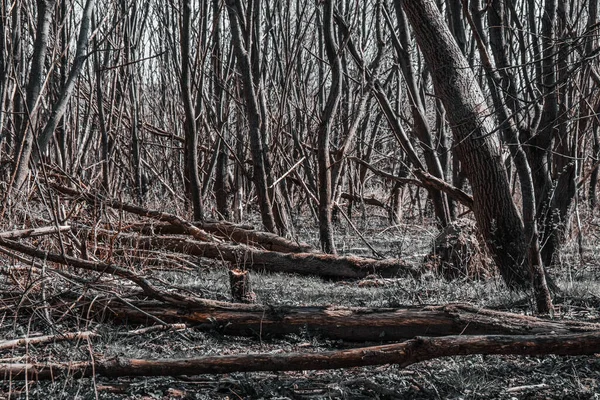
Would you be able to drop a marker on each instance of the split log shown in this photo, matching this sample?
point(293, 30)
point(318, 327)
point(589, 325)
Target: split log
point(34, 232)
point(317, 264)
point(236, 233)
point(357, 324)
point(403, 354)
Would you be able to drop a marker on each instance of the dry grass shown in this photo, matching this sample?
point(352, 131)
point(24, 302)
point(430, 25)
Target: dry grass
point(473, 377)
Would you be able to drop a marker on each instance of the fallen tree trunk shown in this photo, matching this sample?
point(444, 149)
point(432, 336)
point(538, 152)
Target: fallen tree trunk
point(317, 264)
point(235, 233)
point(27, 341)
point(34, 232)
point(357, 324)
point(402, 354)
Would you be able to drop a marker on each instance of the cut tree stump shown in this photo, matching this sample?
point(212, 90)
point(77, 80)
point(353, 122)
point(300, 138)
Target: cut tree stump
point(357, 324)
point(239, 282)
point(403, 354)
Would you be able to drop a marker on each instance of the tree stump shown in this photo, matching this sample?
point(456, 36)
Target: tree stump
point(458, 253)
point(239, 281)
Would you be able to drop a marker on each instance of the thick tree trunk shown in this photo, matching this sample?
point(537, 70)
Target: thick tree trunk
point(477, 146)
point(354, 324)
point(509, 129)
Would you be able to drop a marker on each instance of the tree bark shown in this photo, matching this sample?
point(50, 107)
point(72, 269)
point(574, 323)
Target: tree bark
point(403, 354)
point(354, 324)
point(324, 161)
point(477, 146)
point(24, 146)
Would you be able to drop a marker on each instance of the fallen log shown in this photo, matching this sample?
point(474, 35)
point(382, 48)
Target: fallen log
point(317, 264)
point(27, 341)
point(232, 232)
point(34, 232)
point(355, 324)
point(403, 354)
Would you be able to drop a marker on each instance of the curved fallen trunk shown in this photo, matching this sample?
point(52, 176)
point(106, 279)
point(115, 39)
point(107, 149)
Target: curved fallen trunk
point(402, 354)
point(236, 233)
point(317, 264)
point(358, 324)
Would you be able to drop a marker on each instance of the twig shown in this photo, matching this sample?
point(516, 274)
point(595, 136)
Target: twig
point(375, 252)
point(9, 344)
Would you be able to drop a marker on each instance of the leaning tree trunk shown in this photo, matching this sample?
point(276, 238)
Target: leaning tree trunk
point(477, 146)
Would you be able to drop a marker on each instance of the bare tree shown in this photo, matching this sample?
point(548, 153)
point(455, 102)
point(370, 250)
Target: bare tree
point(478, 148)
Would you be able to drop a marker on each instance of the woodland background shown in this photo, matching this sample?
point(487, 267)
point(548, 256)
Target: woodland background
point(149, 147)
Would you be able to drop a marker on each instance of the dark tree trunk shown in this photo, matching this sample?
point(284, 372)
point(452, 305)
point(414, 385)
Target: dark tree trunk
point(24, 147)
point(335, 91)
point(477, 146)
point(191, 134)
point(253, 113)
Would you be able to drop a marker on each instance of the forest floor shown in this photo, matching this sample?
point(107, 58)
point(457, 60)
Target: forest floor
point(469, 377)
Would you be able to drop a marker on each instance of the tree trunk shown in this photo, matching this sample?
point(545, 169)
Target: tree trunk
point(191, 134)
point(24, 147)
point(324, 265)
point(477, 146)
point(402, 354)
point(324, 161)
point(253, 113)
point(354, 324)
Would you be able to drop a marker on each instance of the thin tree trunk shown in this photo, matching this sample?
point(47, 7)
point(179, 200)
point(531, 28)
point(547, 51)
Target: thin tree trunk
point(253, 113)
point(191, 134)
point(60, 106)
point(324, 160)
point(24, 147)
